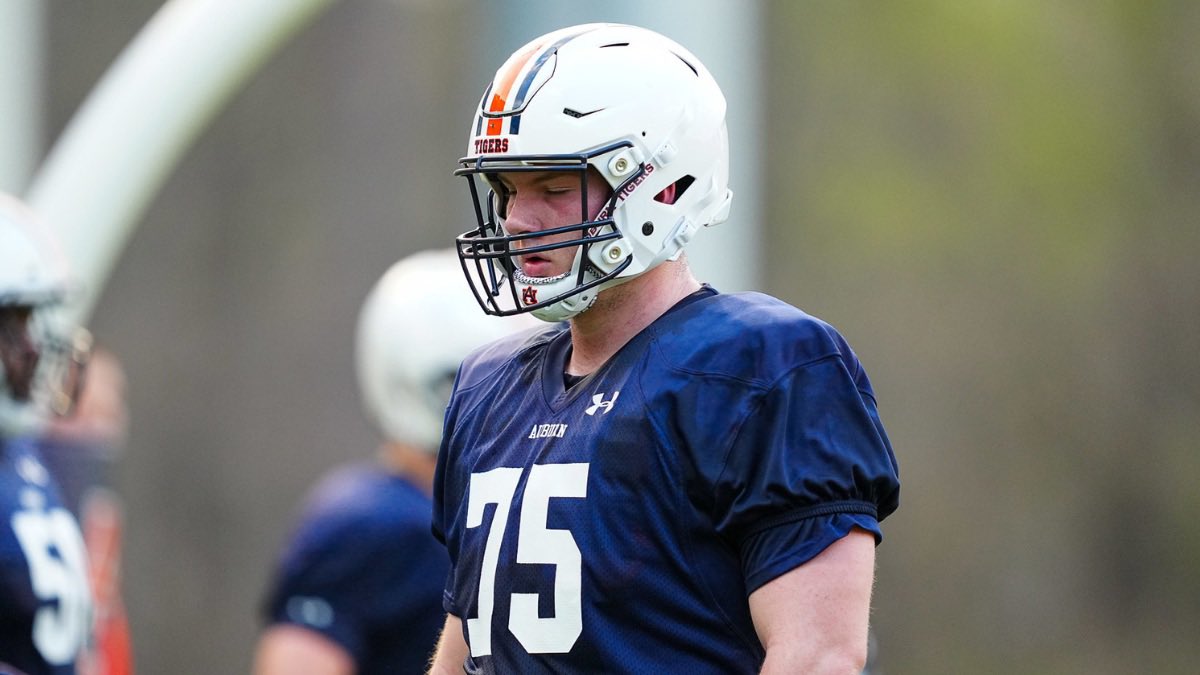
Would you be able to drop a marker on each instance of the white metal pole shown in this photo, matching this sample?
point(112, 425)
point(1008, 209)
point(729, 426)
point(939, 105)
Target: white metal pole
point(21, 35)
point(144, 113)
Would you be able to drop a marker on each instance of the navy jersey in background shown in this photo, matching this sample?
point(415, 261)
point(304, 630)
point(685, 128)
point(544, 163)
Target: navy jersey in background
point(618, 526)
point(45, 605)
point(363, 569)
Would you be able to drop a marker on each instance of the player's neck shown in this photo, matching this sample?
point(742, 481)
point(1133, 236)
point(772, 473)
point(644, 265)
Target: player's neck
point(410, 462)
point(622, 312)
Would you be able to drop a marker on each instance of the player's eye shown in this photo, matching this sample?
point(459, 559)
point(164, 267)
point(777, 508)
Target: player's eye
point(560, 189)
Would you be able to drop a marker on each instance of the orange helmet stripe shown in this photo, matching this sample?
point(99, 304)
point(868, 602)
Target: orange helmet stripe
point(505, 81)
point(502, 88)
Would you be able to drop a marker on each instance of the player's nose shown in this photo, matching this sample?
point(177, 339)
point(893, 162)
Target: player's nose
point(522, 217)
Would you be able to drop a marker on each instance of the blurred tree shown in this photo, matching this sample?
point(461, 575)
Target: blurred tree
point(996, 201)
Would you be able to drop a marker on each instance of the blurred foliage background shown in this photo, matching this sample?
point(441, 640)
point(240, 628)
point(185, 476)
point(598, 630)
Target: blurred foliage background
point(997, 202)
point(994, 200)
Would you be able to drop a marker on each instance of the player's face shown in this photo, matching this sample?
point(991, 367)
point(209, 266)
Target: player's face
point(18, 352)
point(542, 200)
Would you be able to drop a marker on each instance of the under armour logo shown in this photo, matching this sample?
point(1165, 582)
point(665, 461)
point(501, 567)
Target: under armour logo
point(598, 403)
point(529, 295)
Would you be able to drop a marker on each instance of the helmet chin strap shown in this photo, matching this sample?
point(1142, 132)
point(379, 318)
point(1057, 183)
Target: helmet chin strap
point(575, 304)
point(567, 307)
point(579, 303)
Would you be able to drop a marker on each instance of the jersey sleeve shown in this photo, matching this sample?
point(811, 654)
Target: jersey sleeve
point(341, 576)
point(313, 586)
point(809, 462)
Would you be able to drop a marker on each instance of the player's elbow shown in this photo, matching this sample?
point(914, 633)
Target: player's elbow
point(848, 661)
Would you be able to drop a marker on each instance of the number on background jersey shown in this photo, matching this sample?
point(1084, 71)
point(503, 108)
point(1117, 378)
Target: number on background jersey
point(536, 544)
point(59, 627)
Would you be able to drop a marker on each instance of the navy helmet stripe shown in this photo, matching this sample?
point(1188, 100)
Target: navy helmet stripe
point(514, 126)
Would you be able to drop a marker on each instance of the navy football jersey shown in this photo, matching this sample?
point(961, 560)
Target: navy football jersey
point(618, 526)
point(363, 569)
point(45, 600)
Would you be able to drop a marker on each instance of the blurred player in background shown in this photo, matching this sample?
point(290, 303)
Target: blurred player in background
point(45, 599)
point(80, 450)
point(359, 586)
point(674, 479)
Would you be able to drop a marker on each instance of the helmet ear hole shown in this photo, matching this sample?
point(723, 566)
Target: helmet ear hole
point(674, 191)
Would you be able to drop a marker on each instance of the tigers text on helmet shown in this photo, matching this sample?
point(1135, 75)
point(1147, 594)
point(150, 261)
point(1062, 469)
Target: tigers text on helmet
point(621, 101)
point(41, 363)
point(411, 338)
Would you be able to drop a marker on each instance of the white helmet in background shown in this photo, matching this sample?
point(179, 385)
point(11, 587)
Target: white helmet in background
point(625, 101)
point(41, 362)
point(412, 336)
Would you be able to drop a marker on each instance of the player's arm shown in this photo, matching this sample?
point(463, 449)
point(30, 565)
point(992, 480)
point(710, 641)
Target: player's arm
point(813, 619)
point(451, 649)
point(286, 649)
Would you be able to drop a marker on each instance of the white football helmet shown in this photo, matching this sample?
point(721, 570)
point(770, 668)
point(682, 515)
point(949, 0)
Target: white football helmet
point(635, 106)
point(412, 338)
point(41, 367)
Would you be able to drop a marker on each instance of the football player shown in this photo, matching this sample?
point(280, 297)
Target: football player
point(359, 587)
point(669, 478)
point(45, 607)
